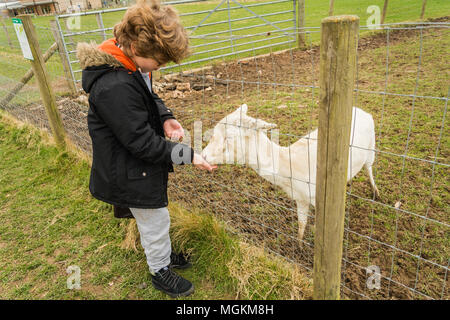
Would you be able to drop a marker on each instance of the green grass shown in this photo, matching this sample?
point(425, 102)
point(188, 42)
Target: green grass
point(13, 66)
point(50, 222)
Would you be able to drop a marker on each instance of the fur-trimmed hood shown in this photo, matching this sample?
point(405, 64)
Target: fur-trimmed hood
point(96, 60)
point(90, 55)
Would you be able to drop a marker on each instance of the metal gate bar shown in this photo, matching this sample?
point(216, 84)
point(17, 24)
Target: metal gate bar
point(228, 33)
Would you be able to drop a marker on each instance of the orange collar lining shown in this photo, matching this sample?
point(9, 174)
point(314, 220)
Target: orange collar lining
point(110, 46)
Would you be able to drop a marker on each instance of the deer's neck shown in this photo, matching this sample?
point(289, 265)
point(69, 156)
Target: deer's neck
point(263, 154)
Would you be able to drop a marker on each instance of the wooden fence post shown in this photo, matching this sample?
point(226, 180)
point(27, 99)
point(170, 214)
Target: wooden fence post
point(337, 76)
point(330, 12)
point(301, 23)
point(383, 15)
point(5, 28)
point(424, 4)
point(45, 86)
point(63, 56)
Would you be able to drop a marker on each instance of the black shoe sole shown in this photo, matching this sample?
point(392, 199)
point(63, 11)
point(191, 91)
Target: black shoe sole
point(174, 295)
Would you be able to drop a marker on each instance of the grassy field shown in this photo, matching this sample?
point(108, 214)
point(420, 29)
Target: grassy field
point(13, 66)
point(50, 222)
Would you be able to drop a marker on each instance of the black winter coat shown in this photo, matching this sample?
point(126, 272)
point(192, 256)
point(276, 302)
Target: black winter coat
point(131, 158)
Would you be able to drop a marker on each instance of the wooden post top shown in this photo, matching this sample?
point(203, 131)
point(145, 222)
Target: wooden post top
point(24, 15)
point(342, 18)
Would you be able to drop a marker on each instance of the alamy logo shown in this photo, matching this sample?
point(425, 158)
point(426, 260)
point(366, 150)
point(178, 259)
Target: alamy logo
point(74, 22)
point(74, 279)
point(374, 279)
point(373, 22)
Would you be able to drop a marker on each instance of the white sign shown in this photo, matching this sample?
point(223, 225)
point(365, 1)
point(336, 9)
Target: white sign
point(23, 40)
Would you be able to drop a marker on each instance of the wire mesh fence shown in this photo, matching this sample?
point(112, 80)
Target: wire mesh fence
point(402, 83)
point(414, 219)
point(396, 246)
point(19, 91)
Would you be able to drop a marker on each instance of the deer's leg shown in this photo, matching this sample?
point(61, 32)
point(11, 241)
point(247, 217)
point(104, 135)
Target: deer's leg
point(372, 181)
point(302, 213)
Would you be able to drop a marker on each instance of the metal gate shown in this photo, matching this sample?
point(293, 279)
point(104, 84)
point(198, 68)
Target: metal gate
point(223, 29)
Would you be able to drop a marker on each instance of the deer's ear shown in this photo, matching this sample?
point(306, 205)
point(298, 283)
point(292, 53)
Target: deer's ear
point(242, 109)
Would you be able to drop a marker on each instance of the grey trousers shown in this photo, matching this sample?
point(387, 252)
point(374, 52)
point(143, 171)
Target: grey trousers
point(153, 226)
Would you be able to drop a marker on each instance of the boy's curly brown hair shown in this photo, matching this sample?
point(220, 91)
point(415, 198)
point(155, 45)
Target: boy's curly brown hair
point(155, 31)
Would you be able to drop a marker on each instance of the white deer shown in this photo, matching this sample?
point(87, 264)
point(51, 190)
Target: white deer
point(239, 138)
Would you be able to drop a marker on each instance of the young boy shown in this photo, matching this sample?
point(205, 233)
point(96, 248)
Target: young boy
point(128, 123)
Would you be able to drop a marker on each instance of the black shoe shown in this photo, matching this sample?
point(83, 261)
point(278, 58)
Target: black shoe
point(178, 261)
point(171, 283)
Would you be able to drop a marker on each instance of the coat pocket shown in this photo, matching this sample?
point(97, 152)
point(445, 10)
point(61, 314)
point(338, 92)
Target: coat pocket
point(143, 171)
point(145, 183)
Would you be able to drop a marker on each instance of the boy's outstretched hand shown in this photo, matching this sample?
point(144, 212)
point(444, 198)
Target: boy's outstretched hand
point(202, 164)
point(173, 130)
